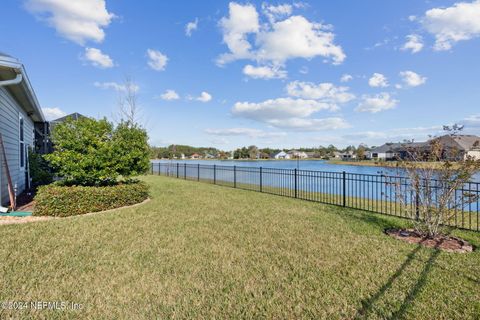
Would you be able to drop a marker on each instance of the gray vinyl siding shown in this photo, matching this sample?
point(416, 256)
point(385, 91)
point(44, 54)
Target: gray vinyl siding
point(10, 113)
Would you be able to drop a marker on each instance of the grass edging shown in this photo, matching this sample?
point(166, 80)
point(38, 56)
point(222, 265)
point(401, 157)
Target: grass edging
point(18, 220)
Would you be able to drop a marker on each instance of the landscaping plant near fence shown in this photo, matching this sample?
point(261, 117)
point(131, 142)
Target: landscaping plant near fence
point(375, 193)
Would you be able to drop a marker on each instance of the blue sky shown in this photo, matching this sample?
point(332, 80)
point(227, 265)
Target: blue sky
point(273, 74)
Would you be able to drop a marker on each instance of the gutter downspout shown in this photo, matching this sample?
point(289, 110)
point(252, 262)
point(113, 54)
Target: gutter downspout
point(4, 83)
point(17, 80)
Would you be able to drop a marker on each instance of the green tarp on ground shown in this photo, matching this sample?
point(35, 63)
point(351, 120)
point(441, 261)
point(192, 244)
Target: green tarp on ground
point(16, 214)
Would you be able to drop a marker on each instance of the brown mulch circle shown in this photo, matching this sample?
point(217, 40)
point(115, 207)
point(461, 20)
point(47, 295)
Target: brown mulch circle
point(445, 243)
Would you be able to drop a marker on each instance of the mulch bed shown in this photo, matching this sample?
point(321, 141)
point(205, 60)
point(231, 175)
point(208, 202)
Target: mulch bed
point(25, 201)
point(445, 243)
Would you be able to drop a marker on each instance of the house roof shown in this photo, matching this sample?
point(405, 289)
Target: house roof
point(22, 92)
point(74, 116)
point(398, 146)
point(467, 142)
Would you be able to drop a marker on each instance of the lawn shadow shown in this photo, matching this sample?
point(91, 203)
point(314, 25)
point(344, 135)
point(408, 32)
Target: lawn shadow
point(368, 304)
point(381, 221)
point(422, 279)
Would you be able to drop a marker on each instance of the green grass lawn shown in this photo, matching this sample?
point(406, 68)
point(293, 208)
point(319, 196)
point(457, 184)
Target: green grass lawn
point(204, 251)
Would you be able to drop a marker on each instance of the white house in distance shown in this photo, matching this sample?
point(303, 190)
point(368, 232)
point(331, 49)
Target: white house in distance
point(19, 110)
point(282, 155)
point(295, 154)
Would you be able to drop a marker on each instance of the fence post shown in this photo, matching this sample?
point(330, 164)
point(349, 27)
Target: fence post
point(214, 174)
point(198, 172)
point(234, 176)
point(177, 168)
point(151, 164)
point(417, 205)
point(185, 171)
point(344, 188)
point(295, 175)
point(159, 168)
point(261, 187)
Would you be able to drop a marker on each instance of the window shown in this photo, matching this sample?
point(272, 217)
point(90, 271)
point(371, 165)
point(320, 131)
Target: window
point(22, 144)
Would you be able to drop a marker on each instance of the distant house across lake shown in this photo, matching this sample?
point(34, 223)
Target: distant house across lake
point(456, 147)
point(295, 154)
point(281, 155)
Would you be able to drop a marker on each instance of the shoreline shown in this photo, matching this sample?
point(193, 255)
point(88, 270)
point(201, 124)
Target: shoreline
point(246, 160)
point(387, 164)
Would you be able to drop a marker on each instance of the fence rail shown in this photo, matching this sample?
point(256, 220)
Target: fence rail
point(389, 195)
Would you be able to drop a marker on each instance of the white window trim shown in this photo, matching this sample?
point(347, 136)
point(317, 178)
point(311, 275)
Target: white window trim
point(20, 142)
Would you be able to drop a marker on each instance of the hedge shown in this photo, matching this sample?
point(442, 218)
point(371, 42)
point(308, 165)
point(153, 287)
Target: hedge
point(64, 201)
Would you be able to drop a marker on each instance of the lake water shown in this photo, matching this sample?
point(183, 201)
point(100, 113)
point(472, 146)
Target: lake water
point(364, 187)
point(318, 165)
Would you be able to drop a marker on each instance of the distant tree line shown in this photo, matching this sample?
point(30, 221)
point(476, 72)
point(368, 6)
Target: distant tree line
point(176, 151)
point(251, 152)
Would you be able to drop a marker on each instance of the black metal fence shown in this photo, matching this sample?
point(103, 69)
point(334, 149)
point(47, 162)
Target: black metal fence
point(390, 195)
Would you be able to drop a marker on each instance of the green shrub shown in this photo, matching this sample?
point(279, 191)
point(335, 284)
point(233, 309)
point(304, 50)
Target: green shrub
point(40, 170)
point(62, 201)
point(93, 152)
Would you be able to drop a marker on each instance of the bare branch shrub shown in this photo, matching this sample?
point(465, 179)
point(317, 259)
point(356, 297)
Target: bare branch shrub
point(436, 176)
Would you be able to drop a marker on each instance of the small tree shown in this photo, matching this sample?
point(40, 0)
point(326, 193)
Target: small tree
point(361, 150)
point(433, 193)
point(129, 109)
point(130, 149)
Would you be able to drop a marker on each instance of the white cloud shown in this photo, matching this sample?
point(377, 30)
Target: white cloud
point(346, 78)
point(296, 37)
point(376, 103)
point(301, 124)
point(393, 135)
point(327, 92)
point(276, 41)
point(264, 72)
point(156, 60)
point(204, 97)
point(78, 21)
point(378, 80)
point(115, 86)
point(190, 27)
point(53, 113)
point(249, 132)
point(303, 70)
point(452, 24)
point(414, 43)
point(97, 58)
point(169, 95)
point(241, 21)
point(412, 79)
point(471, 122)
point(220, 141)
point(274, 13)
point(280, 108)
